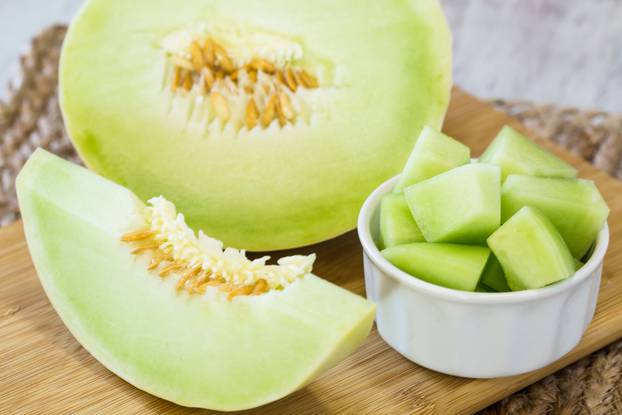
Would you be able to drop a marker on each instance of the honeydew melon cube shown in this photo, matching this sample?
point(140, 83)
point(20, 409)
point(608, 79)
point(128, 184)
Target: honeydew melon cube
point(462, 205)
point(516, 154)
point(397, 225)
point(448, 265)
point(531, 251)
point(434, 153)
point(574, 206)
point(493, 276)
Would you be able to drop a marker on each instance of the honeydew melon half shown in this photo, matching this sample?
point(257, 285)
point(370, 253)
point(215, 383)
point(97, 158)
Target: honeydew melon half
point(340, 91)
point(210, 349)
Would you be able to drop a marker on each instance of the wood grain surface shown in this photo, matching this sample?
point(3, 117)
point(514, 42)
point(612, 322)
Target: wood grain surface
point(44, 370)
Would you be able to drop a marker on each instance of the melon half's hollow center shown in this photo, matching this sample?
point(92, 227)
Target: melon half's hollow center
point(248, 80)
point(201, 262)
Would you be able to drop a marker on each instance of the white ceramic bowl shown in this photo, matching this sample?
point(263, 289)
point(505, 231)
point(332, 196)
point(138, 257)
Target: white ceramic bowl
point(477, 335)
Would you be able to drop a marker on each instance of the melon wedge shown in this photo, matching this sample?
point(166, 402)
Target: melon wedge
point(531, 251)
point(434, 153)
point(462, 205)
point(516, 154)
point(575, 206)
point(196, 350)
point(448, 265)
point(397, 226)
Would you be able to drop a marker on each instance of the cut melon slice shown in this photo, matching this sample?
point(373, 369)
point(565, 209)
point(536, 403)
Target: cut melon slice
point(434, 153)
point(266, 122)
point(493, 276)
point(531, 251)
point(204, 348)
point(397, 226)
point(516, 154)
point(575, 206)
point(461, 205)
point(448, 265)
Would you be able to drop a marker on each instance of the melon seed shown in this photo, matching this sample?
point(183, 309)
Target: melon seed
point(290, 81)
point(137, 236)
point(262, 65)
point(219, 103)
point(208, 79)
point(269, 111)
point(208, 52)
point(252, 113)
point(309, 81)
point(286, 106)
point(197, 56)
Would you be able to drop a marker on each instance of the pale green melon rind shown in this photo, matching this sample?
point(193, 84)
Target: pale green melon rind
point(193, 351)
point(531, 251)
point(575, 206)
point(516, 154)
point(433, 154)
point(289, 189)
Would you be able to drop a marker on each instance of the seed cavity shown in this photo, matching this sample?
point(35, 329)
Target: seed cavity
point(200, 262)
point(228, 82)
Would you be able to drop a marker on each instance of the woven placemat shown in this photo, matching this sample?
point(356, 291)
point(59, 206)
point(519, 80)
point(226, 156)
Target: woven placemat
point(31, 118)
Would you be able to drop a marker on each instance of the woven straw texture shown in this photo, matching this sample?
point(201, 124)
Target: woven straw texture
point(31, 118)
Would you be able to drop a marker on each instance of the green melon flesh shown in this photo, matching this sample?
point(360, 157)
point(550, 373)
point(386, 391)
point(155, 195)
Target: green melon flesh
point(493, 276)
point(448, 265)
point(516, 154)
point(192, 350)
point(397, 225)
point(434, 153)
point(388, 73)
point(461, 205)
point(575, 206)
point(483, 288)
point(531, 251)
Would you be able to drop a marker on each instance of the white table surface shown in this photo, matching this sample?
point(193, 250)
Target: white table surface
point(567, 52)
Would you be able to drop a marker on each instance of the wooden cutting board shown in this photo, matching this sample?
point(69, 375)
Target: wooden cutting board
point(44, 370)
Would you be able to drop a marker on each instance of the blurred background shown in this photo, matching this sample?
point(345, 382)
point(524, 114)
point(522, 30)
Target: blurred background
point(564, 52)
